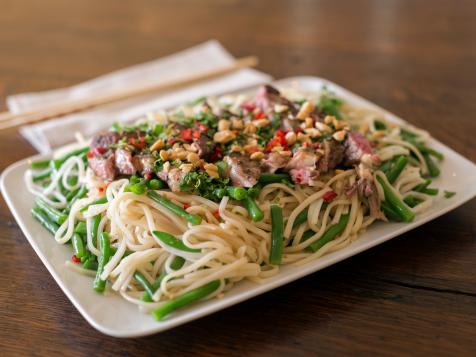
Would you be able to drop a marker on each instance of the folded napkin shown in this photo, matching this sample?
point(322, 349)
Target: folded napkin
point(202, 58)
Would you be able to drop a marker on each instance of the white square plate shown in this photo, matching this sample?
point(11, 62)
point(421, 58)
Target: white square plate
point(114, 316)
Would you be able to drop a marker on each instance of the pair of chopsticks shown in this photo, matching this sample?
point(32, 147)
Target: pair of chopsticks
point(11, 120)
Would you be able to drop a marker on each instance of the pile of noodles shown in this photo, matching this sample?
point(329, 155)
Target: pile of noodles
point(232, 247)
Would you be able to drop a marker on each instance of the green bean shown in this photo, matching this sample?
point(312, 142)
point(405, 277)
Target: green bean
point(171, 241)
point(44, 220)
point(185, 299)
point(449, 194)
point(219, 193)
point(222, 168)
point(144, 282)
point(42, 175)
point(267, 178)
point(300, 218)
point(331, 233)
point(56, 163)
point(379, 125)
point(55, 215)
point(104, 256)
point(254, 191)
point(237, 193)
point(81, 228)
point(422, 186)
point(386, 166)
point(137, 188)
point(253, 209)
point(430, 191)
point(156, 184)
point(389, 212)
point(91, 263)
point(99, 201)
point(94, 228)
point(433, 170)
point(426, 150)
point(277, 227)
point(411, 201)
point(176, 264)
point(72, 194)
point(40, 164)
point(397, 168)
point(81, 193)
point(404, 212)
point(179, 211)
point(78, 246)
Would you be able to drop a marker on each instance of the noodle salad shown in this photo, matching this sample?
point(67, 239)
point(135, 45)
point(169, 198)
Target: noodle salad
point(186, 203)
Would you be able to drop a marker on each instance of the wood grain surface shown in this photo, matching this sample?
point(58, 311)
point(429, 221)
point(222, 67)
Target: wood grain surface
point(415, 295)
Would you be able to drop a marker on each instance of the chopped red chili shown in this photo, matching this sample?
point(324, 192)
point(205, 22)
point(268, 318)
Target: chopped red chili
point(249, 106)
point(186, 205)
point(186, 134)
point(99, 150)
point(90, 154)
point(75, 259)
point(148, 176)
point(216, 213)
point(260, 115)
point(329, 196)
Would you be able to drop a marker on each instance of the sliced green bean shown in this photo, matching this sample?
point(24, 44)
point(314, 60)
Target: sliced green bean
point(411, 201)
point(389, 212)
point(55, 215)
point(44, 220)
point(267, 178)
point(176, 264)
point(171, 241)
point(144, 282)
point(404, 212)
point(430, 191)
point(104, 256)
point(42, 175)
point(331, 233)
point(185, 299)
point(179, 211)
point(253, 209)
point(99, 201)
point(80, 194)
point(40, 164)
point(237, 193)
point(78, 246)
point(397, 168)
point(277, 227)
point(81, 228)
point(433, 170)
point(156, 184)
point(94, 228)
point(422, 186)
point(56, 163)
point(300, 218)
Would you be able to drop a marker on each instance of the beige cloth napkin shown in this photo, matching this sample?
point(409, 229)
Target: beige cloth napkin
point(204, 57)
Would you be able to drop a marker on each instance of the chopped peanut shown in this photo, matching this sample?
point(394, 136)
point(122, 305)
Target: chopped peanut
point(224, 136)
point(306, 109)
point(339, 135)
point(309, 122)
point(237, 124)
point(159, 144)
point(186, 167)
point(192, 157)
point(260, 123)
point(323, 127)
point(257, 155)
point(312, 132)
point(211, 170)
point(250, 128)
point(329, 119)
point(280, 108)
point(223, 124)
point(236, 148)
point(164, 155)
point(302, 137)
point(290, 138)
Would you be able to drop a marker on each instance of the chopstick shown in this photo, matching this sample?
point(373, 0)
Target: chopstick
point(11, 120)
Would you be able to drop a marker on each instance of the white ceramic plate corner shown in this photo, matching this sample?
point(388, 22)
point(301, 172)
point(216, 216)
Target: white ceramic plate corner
point(457, 174)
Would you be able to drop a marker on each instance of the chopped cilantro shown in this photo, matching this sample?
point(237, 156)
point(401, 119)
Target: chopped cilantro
point(202, 184)
point(329, 104)
point(449, 194)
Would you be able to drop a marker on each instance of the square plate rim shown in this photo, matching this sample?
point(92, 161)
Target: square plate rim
point(221, 304)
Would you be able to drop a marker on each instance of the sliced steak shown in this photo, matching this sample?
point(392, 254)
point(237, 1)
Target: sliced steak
point(243, 171)
point(124, 163)
point(173, 179)
point(302, 167)
point(105, 139)
point(206, 147)
point(267, 96)
point(356, 146)
point(275, 161)
point(103, 166)
point(367, 191)
point(143, 163)
point(333, 155)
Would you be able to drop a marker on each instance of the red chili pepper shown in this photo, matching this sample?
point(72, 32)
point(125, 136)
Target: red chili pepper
point(148, 176)
point(306, 145)
point(171, 141)
point(186, 134)
point(99, 150)
point(249, 106)
point(217, 154)
point(75, 259)
point(272, 143)
point(260, 115)
point(298, 130)
point(100, 189)
point(329, 196)
point(186, 205)
point(132, 141)
point(216, 213)
point(196, 134)
point(90, 154)
point(202, 128)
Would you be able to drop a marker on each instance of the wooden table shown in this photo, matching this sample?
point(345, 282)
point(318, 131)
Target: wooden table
point(413, 295)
